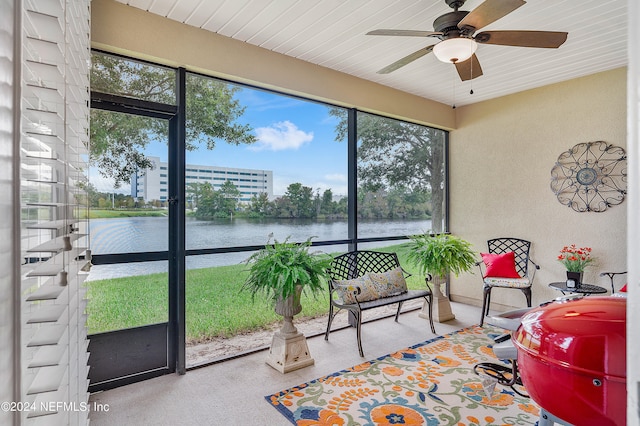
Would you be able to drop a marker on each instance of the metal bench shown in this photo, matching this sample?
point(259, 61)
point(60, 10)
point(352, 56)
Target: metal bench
point(356, 264)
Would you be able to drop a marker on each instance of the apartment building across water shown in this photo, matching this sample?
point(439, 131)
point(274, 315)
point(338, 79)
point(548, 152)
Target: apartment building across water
point(153, 184)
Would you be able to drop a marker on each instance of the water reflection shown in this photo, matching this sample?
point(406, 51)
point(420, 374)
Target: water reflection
point(141, 234)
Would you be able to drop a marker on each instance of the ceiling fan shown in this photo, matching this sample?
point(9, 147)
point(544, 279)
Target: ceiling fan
point(458, 44)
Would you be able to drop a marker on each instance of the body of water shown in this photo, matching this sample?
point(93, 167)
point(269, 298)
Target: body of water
point(142, 234)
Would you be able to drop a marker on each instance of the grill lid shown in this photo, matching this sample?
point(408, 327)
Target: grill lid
point(585, 334)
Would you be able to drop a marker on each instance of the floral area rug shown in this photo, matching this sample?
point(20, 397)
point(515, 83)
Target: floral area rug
point(431, 383)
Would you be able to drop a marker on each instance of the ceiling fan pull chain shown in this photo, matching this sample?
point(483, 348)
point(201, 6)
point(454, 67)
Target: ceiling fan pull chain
point(471, 91)
point(454, 88)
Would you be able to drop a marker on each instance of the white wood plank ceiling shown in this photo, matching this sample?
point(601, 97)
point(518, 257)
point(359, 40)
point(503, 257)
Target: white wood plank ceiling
point(331, 33)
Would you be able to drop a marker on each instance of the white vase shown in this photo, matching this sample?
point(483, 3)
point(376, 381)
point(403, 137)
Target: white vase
point(289, 350)
point(288, 308)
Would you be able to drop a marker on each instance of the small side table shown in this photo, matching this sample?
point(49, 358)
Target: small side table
point(585, 289)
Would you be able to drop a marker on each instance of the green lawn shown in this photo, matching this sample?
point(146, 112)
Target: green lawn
point(115, 213)
point(216, 306)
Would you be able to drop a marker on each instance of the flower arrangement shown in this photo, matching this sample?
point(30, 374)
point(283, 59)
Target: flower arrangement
point(575, 259)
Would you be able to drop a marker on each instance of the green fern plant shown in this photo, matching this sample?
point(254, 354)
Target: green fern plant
point(441, 254)
point(276, 270)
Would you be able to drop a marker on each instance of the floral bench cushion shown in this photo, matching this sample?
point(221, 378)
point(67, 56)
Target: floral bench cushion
point(389, 283)
point(507, 282)
point(362, 287)
point(371, 286)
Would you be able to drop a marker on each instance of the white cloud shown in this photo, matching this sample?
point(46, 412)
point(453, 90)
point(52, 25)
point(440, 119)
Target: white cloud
point(336, 177)
point(280, 136)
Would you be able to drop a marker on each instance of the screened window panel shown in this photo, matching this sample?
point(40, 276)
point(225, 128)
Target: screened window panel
point(401, 177)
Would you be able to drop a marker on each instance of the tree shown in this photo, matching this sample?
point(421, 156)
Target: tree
point(193, 190)
point(373, 204)
point(118, 140)
point(217, 204)
point(229, 194)
point(207, 201)
point(260, 204)
point(327, 205)
point(103, 203)
point(282, 207)
point(92, 194)
point(301, 198)
point(393, 154)
point(342, 206)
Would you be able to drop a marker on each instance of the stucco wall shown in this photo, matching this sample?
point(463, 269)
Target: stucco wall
point(502, 153)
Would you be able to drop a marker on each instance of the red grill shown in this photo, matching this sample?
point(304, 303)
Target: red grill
point(572, 359)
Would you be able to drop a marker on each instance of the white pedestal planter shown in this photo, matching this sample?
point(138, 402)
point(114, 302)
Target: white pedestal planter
point(288, 353)
point(441, 305)
point(289, 350)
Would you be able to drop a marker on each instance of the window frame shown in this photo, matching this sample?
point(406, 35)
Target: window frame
point(177, 252)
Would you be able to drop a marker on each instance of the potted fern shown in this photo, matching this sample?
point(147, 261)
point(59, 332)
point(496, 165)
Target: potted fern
point(281, 272)
point(438, 256)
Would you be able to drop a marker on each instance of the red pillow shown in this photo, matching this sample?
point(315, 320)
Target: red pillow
point(624, 288)
point(500, 265)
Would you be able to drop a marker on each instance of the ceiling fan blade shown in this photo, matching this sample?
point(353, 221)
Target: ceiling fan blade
point(488, 12)
point(546, 39)
point(469, 69)
point(407, 33)
point(406, 60)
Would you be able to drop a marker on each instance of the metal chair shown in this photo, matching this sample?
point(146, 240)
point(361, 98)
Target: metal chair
point(521, 250)
point(611, 276)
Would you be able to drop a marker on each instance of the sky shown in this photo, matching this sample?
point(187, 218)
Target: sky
point(295, 140)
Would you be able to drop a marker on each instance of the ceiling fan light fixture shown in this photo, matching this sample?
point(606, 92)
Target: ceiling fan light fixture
point(455, 49)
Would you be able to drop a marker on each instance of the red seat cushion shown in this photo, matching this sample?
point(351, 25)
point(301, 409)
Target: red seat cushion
point(500, 265)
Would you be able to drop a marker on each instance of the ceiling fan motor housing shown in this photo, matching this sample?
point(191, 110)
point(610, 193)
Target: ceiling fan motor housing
point(447, 24)
point(455, 4)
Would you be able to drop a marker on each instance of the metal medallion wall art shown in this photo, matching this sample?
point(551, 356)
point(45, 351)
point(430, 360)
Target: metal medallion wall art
point(590, 177)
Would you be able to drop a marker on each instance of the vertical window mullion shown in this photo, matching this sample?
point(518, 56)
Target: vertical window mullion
point(177, 147)
point(446, 187)
point(352, 181)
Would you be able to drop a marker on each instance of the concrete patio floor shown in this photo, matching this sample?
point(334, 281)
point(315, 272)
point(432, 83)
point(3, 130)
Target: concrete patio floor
point(232, 392)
